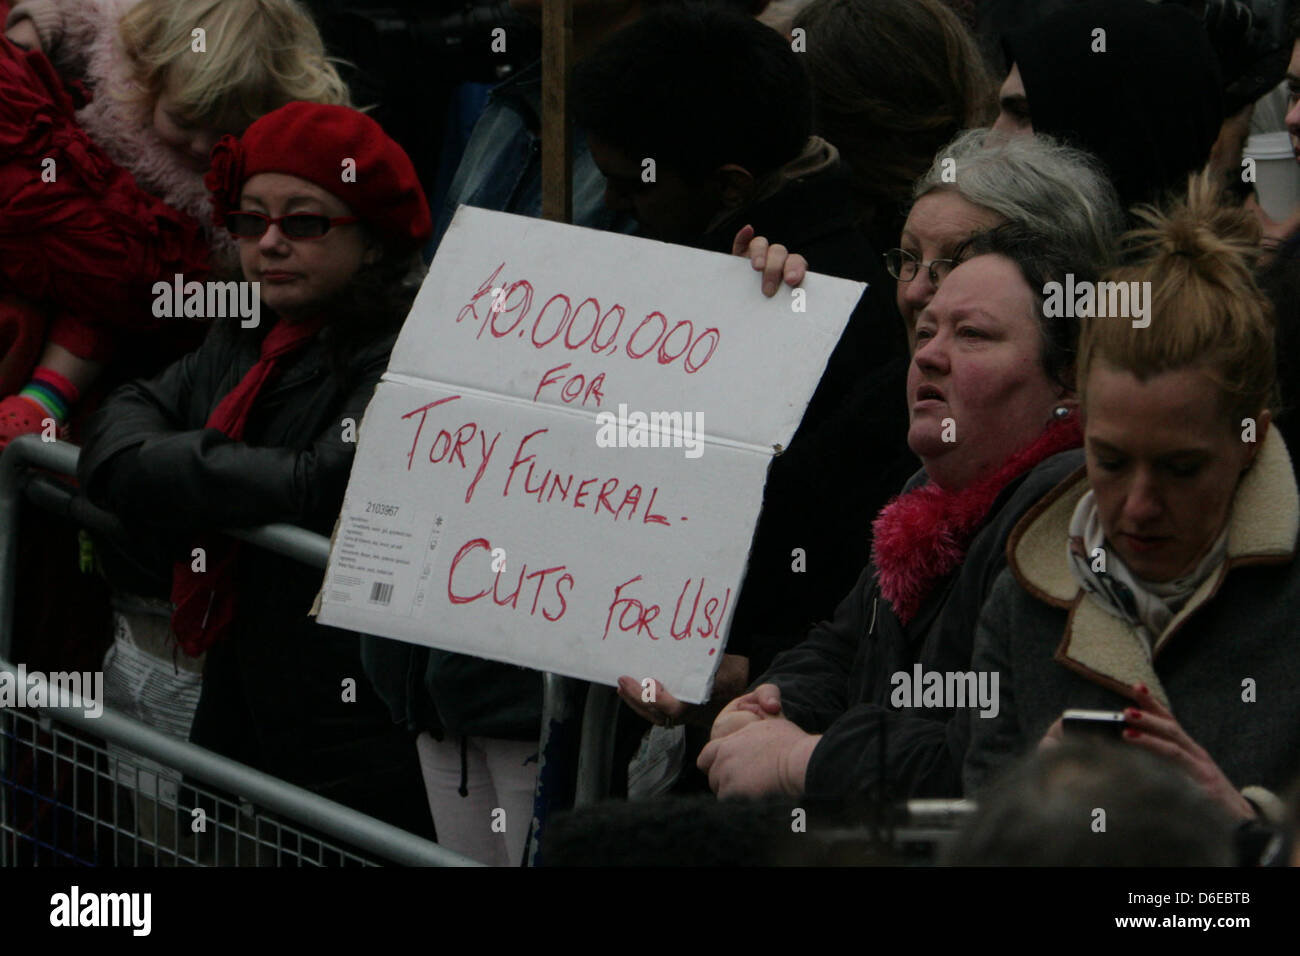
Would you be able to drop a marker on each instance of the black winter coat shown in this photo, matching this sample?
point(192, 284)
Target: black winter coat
point(273, 689)
point(849, 455)
point(838, 681)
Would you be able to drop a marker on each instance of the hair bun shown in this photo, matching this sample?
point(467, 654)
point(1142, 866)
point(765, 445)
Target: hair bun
point(1183, 238)
point(1200, 228)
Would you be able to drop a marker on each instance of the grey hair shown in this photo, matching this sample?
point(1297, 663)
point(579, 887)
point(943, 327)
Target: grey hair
point(1054, 190)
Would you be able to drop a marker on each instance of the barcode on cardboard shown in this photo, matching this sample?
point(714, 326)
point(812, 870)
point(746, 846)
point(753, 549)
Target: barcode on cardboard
point(381, 593)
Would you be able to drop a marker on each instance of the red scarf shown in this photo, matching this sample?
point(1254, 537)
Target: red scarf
point(919, 537)
point(205, 600)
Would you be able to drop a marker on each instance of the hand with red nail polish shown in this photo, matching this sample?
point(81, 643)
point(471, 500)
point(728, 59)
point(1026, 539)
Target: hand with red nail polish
point(1161, 734)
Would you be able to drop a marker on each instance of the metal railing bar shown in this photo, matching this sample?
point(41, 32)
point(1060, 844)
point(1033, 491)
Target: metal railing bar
point(338, 821)
point(596, 746)
point(26, 449)
point(289, 540)
point(329, 817)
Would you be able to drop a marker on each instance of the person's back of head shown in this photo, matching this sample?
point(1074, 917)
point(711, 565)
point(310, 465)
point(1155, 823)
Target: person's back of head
point(679, 94)
point(1094, 804)
point(704, 831)
point(1136, 83)
point(670, 831)
point(1293, 820)
point(893, 80)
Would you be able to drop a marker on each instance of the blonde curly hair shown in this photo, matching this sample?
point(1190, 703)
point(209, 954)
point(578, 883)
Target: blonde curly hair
point(257, 56)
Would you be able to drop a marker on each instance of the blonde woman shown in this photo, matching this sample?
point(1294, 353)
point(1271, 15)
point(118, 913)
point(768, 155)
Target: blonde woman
point(1160, 580)
point(118, 201)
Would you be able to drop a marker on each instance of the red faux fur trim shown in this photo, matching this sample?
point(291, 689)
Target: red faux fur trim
point(921, 536)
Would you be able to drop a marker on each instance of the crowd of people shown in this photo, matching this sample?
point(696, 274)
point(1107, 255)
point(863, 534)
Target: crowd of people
point(1072, 509)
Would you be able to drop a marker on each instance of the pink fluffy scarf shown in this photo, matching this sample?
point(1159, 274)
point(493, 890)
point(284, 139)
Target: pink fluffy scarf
point(921, 536)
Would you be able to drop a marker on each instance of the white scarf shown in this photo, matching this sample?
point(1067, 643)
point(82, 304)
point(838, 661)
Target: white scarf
point(1146, 605)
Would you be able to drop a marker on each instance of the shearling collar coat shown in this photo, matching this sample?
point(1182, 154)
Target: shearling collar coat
point(1228, 664)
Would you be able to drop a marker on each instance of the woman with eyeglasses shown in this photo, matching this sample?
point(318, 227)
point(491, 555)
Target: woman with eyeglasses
point(259, 425)
point(979, 180)
point(982, 179)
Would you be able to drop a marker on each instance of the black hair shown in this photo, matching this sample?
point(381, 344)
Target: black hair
point(669, 831)
point(696, 87)
point(374, 304)
point(893, 81)
point(1293, 812)
point(1039, 262)
point(1044, 813)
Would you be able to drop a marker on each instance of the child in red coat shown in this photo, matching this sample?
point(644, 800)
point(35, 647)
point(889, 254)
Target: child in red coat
point(101, 199)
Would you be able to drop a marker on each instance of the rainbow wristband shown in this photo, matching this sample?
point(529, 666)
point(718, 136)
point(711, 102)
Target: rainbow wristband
point(52, 392)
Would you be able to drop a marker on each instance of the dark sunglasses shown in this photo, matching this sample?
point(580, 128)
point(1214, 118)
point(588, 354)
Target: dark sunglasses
point(298, 225)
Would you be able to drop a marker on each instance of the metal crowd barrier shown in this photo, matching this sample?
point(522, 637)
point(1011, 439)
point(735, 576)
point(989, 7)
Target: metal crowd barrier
point(120, 811)
point(126, 807)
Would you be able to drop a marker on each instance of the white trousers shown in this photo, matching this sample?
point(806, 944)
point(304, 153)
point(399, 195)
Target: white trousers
point(491, 823)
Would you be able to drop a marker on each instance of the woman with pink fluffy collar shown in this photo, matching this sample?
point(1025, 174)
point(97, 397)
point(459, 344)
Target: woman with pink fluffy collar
point(875, 703)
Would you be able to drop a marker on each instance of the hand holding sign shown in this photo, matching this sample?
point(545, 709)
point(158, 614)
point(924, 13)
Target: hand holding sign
point(561, 420)
point(775, 262)
point(651, 700)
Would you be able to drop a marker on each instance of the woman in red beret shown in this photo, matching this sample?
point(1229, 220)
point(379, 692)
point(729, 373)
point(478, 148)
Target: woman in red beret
point(259, 425)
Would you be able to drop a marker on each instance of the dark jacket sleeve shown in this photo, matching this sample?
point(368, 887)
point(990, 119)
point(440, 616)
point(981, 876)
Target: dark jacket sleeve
point(141, 410)
point(914, 752)
point(182, 478)
point(866, 742)
point(995, 740)
point(920, 753)
point(201, 479)
point(814, 675)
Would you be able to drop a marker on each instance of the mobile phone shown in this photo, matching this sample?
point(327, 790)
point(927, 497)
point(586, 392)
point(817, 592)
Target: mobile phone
point(1095, 723)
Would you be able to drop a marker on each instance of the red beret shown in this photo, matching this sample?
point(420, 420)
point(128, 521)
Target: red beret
point(313, 141)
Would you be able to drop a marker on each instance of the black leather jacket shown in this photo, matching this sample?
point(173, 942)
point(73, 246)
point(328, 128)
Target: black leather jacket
point(149, 458)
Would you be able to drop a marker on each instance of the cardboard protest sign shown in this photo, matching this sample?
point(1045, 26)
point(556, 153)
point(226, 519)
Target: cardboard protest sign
point(564, 463)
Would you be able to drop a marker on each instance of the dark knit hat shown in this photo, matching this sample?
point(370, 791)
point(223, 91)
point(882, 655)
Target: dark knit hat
point(1149, 107)
point(313, 141)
